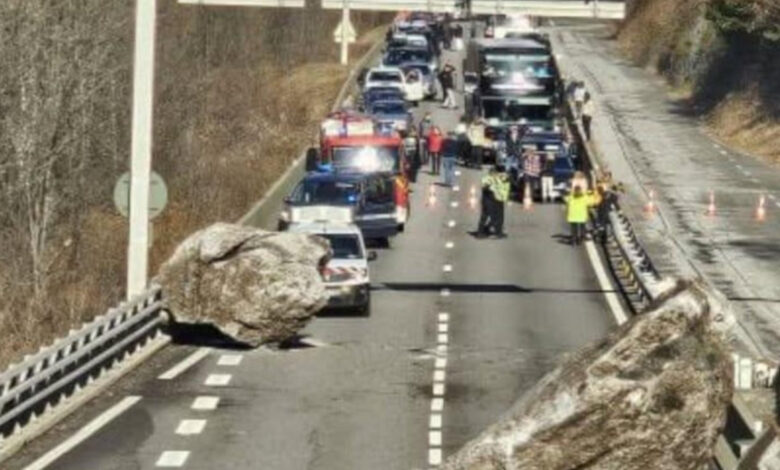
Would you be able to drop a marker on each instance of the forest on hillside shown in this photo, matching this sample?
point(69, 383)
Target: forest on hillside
point(238, 92)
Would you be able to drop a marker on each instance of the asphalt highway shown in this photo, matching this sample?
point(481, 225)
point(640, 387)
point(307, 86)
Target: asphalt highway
point(651, 141)
point(459, 328)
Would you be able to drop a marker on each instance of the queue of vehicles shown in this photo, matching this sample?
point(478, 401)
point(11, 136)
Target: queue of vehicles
point(356, 187)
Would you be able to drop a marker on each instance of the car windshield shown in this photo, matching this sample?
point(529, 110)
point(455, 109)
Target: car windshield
point(536, 66)
point(325, 192)
point(509, 110)
point(344, 246)
point(367, 159)
point(388, 107)
point(385, 77)
point(401, 56)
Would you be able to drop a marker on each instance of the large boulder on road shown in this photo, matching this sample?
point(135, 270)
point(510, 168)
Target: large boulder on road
point(253, 285)
point(653, 395)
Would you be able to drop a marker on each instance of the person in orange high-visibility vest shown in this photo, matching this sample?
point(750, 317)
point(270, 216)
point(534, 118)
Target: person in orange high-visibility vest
point(401, 199)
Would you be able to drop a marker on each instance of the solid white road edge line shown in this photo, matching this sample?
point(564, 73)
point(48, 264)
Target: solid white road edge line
point(188, 362)
point(609, 292)
point(84, 433)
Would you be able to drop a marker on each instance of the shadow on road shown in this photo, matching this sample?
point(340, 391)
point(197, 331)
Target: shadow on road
point(478, 288)
point(202, 334)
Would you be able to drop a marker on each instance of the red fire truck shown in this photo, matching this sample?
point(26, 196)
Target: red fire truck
point(351, 142)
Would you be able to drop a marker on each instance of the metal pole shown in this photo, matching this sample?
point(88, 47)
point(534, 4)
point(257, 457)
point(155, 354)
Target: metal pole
point(141, 146)
point(344, 33)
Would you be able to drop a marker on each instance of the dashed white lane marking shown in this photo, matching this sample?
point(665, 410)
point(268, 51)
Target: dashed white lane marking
point(441, 363)
point(716, 145)
point(434, 456)
point(437, 404)
point(188, 362)
point(443, 327)
point(205, 403)
point(458, 173)
point(447, 268)
point(456, 188)
point(441, 349)
point(230, 360)
point(723, 152)
point(454, 204)
point(218, 380)
point(435, 421)
point(755, 180)
point(451, 224)
point(609, 292)
point(434, 438)
point(439, 376)
point(777, 204)
point(772, 197)
point(443, 338)
point(438, 390)
point(445, 292)
point(173, 458)
point(84, 433)
point(739, 167)
point(747, 173)
point(190, 427)
point(449, 245)
point(443, 316)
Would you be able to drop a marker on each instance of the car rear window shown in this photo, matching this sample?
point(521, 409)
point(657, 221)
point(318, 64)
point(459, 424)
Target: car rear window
point(385, 76)
point(380, 191)
point(325, 192)
point(345, 246)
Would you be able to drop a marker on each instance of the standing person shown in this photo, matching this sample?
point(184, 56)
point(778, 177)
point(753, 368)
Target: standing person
point(449, 155)
point(577, 205)
point(548, 177)
point(476, 136)
point(413, 152)
point(587, 115)
point(532, 170)
point(448, 86)
point(608, 201)
point(499, 186)
point(435, 141)
point(423, 131)
point(513, 157)
point(579, 99)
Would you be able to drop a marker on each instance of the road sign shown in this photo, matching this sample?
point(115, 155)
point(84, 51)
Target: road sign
point(351, 34)
point(158, 195)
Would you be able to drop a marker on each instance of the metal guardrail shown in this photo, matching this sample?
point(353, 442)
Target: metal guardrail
point(54, 373)
point(42, 381)
point(639, 281)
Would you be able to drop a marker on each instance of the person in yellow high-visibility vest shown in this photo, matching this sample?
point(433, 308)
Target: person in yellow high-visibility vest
point(578, 204)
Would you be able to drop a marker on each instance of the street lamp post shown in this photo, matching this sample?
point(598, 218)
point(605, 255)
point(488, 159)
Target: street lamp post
point(141, 146)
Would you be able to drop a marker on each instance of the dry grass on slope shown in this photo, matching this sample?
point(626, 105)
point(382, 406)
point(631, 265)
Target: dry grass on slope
point(741, 122)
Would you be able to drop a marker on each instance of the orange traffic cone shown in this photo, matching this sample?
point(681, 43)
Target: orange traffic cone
point(711, 205)
point(650, 206)
point(528, 202)
point(761, 209)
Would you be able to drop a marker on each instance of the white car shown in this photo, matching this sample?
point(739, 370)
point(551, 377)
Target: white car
point(346, 275)
point(413, 90)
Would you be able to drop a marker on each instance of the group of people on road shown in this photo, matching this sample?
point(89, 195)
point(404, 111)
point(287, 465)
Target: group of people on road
point(583, 105)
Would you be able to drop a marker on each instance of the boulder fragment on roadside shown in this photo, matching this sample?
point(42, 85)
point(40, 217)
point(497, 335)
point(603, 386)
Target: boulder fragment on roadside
point(653, 395)
point(255, 286)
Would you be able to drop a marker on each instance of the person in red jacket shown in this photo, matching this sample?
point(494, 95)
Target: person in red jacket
point(435, 141)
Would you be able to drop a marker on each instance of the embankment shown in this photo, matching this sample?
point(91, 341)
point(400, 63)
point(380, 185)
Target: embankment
point(723, 59)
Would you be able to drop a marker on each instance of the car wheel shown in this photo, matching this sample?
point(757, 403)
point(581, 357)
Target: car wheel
point(365, 309)
point(401, 227)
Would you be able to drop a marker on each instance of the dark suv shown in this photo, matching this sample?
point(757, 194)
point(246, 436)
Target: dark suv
point(319, 196)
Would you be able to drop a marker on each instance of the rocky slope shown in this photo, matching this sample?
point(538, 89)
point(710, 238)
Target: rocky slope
point(653, 395)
